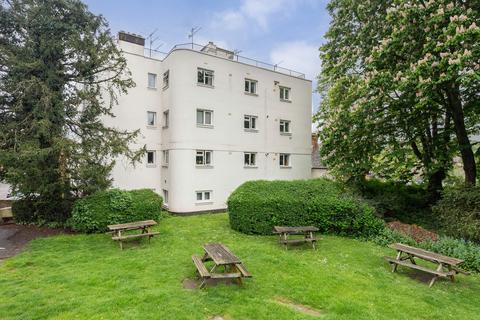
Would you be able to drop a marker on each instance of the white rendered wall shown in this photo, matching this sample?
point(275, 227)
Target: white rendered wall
point(227, 139)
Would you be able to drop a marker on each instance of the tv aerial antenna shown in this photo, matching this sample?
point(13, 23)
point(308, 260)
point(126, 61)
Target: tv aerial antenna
point(192, 33)
point(151, 41)
point(236, 52)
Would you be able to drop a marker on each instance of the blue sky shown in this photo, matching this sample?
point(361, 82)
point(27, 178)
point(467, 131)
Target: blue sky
point(286, 31)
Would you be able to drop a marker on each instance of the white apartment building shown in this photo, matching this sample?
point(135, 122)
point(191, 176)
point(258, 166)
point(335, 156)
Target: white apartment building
point(210, 121)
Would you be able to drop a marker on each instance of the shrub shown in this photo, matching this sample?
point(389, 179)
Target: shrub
point(459, 213)
point(24, 211)
point(93, 213)
point(407, 203)
point(257, 206)
point(42, 212)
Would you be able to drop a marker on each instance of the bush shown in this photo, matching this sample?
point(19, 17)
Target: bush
point(407, 203)
point(459, 213)
point(43, 212)
point(257, 206)
point(93, 213)
point(457, 248)
point(24, 211)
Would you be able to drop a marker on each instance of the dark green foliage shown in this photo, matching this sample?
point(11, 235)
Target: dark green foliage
point(407, 203)
point(257, 206)
point(24, 211)
point(60, 75)
point(458, 213)
point(457, 248)
point(93, 213)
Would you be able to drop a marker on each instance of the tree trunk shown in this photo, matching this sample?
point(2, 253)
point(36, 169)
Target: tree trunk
point(435, 186)
point(468, 158)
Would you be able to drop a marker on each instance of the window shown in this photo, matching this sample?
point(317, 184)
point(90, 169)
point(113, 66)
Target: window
point(165, 197)
point(285, 93)
point(152, 80)
point(205, 77)
point(250, 122)
point(250, 159)
point(166, 79)
point(284, 126)
point(251, 86)
point(165, 119)
point(165, 156)
point(284, 160)
point(203, 196)
point(151, 118)
point(204, 117)
point(203, 158)
point(150, 157)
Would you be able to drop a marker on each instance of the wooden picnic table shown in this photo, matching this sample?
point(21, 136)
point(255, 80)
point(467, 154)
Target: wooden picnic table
point(222, 257)
point(307, 231)
point(446, 266)
point(144, 226)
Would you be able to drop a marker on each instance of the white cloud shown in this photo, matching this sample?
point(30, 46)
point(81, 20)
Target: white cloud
point(302, 57)
point(299, 56)
point(257, 11)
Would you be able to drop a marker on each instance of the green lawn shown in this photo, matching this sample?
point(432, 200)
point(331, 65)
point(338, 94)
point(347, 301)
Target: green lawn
point(89, 277)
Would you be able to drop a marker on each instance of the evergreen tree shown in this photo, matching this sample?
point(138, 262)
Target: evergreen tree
point(60, 75)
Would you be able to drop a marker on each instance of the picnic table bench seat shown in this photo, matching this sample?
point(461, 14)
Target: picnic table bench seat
point(138, 235)
point(447, 267)
point(117, 229)
point(221, 257)
point(307, 231)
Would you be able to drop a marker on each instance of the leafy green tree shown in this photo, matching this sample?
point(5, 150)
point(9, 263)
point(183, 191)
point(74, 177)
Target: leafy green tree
point(400, 83)
point(60, 76)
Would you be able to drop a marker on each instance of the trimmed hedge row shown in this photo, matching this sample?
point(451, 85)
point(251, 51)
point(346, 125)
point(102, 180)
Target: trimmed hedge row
point(257, 206)
point(93, 213)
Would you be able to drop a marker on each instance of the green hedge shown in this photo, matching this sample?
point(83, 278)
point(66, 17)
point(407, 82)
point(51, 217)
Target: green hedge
point(459, 213)
point(93, 213)
point(42, 212)
point(257, 206)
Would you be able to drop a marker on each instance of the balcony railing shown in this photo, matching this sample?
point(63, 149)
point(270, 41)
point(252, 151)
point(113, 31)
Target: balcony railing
point(154, 54)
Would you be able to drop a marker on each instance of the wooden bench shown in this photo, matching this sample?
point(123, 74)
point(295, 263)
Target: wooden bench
point(446, 266)
point(221, 257)
point(307, 231)
point(144, 226)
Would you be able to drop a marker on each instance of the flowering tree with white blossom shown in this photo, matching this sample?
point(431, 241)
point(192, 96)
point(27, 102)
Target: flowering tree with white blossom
point(401, 88)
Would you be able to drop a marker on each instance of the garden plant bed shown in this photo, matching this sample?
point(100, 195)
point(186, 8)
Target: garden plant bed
point(416, 232)
point(87, 277)
point(13, 237)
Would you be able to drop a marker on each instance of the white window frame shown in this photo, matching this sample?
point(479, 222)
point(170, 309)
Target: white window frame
point(166, 79)
point(202, 194)
point(249, 88)
point(154, 118)
point(247, 159)
point(284, 160)
point(205, 74)
point(204, 157)
point(165, 197)
point(285, 127)
point(166, 118)
point(165, 157)
point(154, 163)
point(251, 119)
point(285, 94)
point(154, 80)
point(203, 123)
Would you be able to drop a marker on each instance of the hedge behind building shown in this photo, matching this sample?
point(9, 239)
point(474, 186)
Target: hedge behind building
point(95, 212)
point(257, 206)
